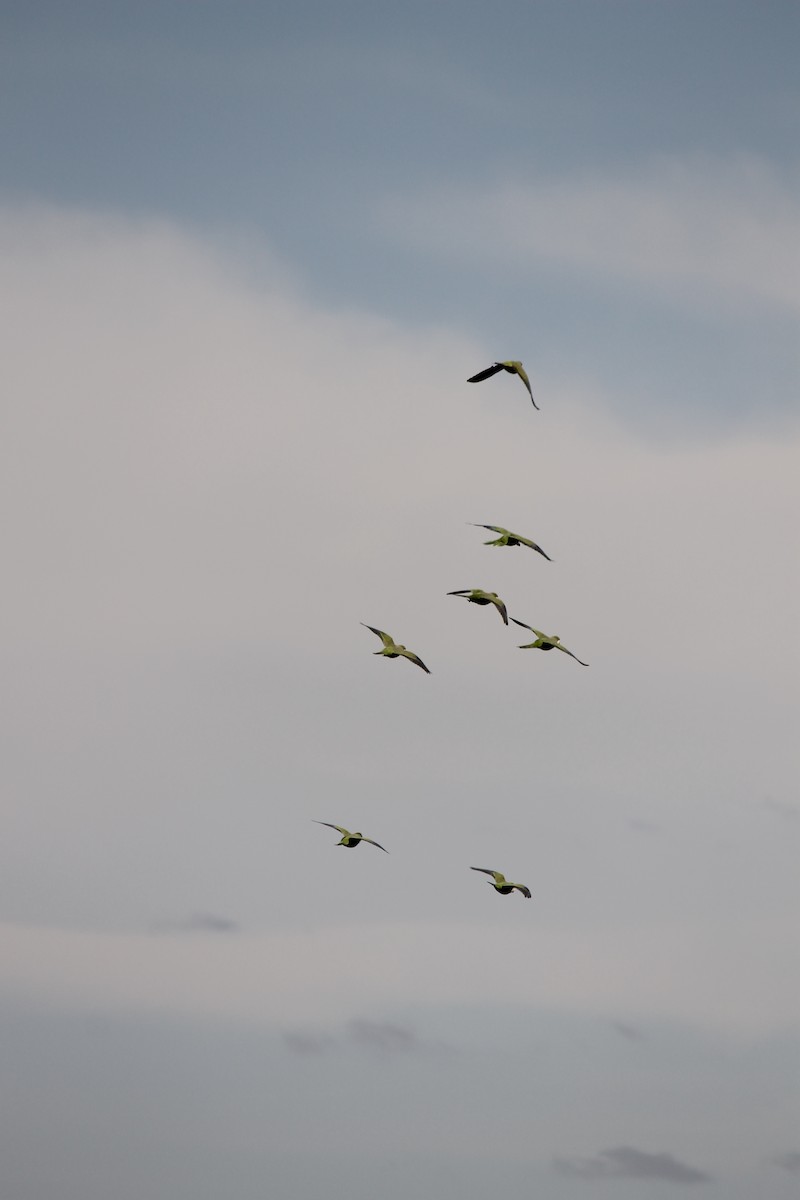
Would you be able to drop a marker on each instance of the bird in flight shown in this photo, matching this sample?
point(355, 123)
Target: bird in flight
point(546, 641)
point(351, 839)
point(502, 885)
point(513, 367)
point(507, 538)
point(392, 649)
point(478, 596)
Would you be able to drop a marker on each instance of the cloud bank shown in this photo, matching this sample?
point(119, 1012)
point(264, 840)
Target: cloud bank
point(626, 1162)
point(207, 484)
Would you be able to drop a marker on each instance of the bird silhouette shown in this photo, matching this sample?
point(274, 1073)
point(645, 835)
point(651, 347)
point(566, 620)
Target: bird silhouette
point(392, 649)
point(545, 641)
point(513, 367)
point(351, 840)
point(507, 538)
point(502, 885)
point(479, 596)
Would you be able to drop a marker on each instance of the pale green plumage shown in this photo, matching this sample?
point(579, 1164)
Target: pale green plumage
point(503, 885)
point(507, 538)
point(545, 641)
point(351, 840)
point(479, 596)
point(392, 649)
point(513, 366)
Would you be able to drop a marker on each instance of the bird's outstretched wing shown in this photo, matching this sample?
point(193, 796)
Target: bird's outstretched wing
point(538, 632)
point(380, 847)
point(344, 832)
point(414, 659)
point(501, 608)
point(569, 652)
point(497, 875)
point(387, 641)
point(527, 542)
point(487, 374)
point(523, 374)
point(525, 890)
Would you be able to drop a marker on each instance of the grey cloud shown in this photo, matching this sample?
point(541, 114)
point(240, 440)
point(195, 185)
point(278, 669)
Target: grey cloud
point(641, 825)
point(627, 1031)
point(378, 1037)
point(303, 1042)
point(382, 1036)
point(782, 808)
point(201, 922)
point(788, 1162)
point(625, 1162)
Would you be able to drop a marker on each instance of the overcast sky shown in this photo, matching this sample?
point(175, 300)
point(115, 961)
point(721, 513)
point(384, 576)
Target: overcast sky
point(249, 255)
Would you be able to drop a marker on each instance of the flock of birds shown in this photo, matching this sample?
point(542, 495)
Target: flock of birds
point(542, 641)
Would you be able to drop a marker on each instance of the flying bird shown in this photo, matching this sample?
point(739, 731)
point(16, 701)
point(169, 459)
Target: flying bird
point(350, 840)
point(507, 538)
point(546, 642)
point(513, 367)
point(478, 596)
point(392, 649)
point(501, 884)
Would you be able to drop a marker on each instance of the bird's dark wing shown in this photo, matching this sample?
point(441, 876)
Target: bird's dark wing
point(344, 832)
point(569, 652)
point(492, 370)
point(415, 658)
point(387, 641)
point(501, 608)
point(372, 843)
point(527, 542)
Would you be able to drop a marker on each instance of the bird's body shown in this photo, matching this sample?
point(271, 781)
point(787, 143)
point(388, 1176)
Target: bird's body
point(546, 641)
point(507, 538)
point(479, 596)
point(503, 885)
point(351, 840)
point(392, 649)
point(513, 367)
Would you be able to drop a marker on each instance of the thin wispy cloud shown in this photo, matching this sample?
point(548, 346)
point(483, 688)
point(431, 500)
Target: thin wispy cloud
point(642, 825)
point(199, 922)
point(382, 1036)
point(790, 1161)
point(626, 1162)
point(307, 1043)
point(373, 1037)
point(631, 1032)
point(728, 229)
point(419, 74)
point(784, 809)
